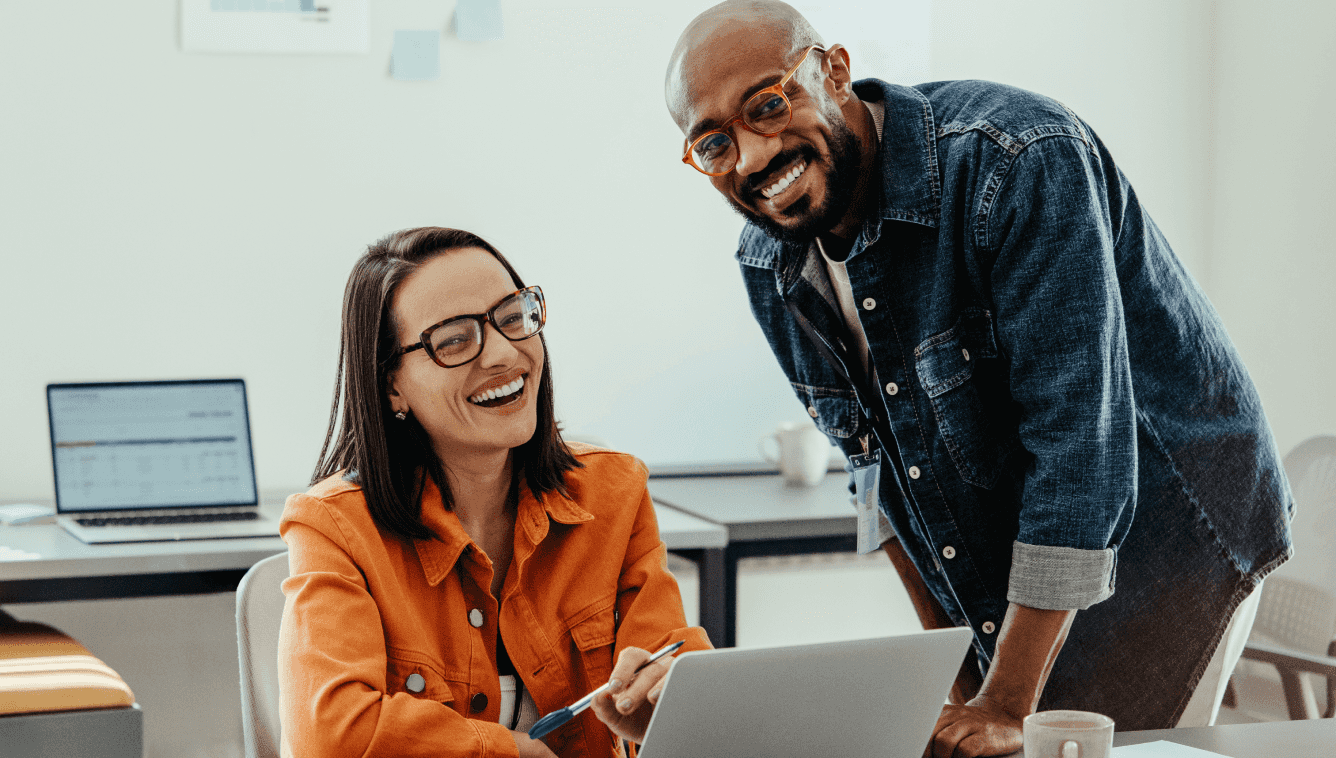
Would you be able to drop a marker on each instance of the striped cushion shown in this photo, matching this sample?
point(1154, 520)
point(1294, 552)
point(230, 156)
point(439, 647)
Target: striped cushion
point(44, 670)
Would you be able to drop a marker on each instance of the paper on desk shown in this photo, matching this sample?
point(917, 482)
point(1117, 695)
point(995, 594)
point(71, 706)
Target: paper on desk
point(1162, 749)
point(14, 554)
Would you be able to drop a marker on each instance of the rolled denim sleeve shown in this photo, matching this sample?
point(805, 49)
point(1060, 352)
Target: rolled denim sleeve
point(1054, 227)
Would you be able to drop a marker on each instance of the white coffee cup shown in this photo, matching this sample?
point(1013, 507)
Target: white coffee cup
point(804, 453)
point(1067, 734)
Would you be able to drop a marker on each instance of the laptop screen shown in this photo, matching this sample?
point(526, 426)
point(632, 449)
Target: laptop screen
point(151, 445)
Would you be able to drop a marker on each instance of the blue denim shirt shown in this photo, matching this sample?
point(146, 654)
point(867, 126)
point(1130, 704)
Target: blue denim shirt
point(1064, 422)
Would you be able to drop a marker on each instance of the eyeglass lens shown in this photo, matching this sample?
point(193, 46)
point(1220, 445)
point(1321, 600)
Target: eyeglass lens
point(517, 317)
point(766, 113)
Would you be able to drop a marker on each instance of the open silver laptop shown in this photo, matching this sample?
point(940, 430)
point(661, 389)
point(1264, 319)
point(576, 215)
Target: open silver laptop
point(150, 461)
point(866, 698)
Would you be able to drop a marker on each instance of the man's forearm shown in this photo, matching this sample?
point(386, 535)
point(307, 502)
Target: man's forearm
point(932, 616)
point(1027, 646)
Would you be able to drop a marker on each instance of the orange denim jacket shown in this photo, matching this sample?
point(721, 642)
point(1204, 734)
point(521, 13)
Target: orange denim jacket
point(365, 610)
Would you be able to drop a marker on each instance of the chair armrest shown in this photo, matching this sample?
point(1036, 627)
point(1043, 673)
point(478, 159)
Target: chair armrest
point(1290, 664)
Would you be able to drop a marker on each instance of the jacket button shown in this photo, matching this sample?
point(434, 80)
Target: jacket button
point(811, 411)
point(415, 683)
point(988, 627)
point(478, 703)
point(892, 388)
point(869, 304)
point(475, 618)
point(948, 552)
point(914, 472)
point(965, 353)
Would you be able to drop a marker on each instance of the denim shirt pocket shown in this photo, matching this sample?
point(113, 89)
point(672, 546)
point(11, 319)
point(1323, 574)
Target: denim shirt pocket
point(946, 364)
point(836, 410)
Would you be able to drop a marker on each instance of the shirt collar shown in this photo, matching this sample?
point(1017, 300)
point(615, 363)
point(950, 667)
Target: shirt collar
point(439, 556)
point(911, 187)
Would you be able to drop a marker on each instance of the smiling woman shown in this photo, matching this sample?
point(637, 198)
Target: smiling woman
point(457, 568)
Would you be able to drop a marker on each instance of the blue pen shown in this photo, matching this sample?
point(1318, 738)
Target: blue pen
point(547, 724)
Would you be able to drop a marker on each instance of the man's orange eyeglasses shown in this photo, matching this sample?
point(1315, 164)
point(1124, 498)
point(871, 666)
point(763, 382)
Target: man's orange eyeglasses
point(767, 113)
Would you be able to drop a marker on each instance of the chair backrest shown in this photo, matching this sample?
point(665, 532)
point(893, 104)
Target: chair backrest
point(259, 612)
point(1296, 615)
point(1311, 469)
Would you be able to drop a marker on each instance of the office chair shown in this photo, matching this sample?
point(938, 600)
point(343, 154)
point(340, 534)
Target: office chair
point(1295, 630)
point(259, 612)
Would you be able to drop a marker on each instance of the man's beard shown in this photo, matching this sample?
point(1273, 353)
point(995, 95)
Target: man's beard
point(845, 162)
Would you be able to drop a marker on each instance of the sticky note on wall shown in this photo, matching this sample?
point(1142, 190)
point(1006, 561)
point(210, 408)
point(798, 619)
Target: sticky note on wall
point(478, 20)
point(416, 56)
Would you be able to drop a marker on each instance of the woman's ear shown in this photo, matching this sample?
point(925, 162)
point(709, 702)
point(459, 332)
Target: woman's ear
point(398, 403)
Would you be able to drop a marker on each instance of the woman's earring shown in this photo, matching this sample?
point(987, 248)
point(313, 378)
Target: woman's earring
point(401, 415)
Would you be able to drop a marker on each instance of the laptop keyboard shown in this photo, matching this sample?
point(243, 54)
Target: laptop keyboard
point(176, 518)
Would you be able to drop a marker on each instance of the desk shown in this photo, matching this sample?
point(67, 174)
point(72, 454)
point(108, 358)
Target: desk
point(70, 570)
point(1274, 739)
point(763, 517)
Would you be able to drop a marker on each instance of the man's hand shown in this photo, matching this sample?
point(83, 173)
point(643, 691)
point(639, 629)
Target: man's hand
point(531, 748)
point(990, 724)
point(975, 729)
point(628, 704)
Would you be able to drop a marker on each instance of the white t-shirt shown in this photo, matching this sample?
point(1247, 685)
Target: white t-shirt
point(873, 528)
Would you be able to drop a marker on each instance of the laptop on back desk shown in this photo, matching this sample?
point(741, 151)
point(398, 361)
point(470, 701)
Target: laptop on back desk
point(152, 461)
point(866, 698)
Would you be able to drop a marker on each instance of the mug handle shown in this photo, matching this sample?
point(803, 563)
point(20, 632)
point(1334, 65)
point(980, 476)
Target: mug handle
point(765, 456)
point(1071, 749)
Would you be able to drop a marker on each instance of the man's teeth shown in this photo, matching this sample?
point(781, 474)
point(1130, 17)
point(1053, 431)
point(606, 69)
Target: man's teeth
point(784, 181)
point(502, 391)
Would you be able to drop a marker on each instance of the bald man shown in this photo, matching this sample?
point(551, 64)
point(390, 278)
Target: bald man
point(1035, 397)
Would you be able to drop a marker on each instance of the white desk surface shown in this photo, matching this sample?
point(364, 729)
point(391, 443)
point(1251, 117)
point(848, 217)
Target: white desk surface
point(62, 556)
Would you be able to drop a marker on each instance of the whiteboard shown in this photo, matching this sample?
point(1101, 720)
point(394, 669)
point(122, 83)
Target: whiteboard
point(187, 215)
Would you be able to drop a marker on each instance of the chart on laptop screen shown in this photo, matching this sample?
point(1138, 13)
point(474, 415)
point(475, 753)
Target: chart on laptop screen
point(151, 445)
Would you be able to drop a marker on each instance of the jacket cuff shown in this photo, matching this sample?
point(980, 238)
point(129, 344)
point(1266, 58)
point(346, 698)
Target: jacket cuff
point(1060, 578)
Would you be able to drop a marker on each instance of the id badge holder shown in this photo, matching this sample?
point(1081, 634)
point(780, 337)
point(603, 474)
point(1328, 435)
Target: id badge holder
point(873, 528)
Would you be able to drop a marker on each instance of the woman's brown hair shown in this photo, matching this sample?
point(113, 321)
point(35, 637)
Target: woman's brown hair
point(364, 441)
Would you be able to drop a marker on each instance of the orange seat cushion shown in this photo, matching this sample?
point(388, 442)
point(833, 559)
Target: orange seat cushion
point(42, 669)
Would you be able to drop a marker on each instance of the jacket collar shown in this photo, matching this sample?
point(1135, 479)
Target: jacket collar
point(439, 556)
point(911, 183)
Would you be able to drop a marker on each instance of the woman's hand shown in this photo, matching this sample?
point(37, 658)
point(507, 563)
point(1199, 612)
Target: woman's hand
point(531, 748)
point(628, 704)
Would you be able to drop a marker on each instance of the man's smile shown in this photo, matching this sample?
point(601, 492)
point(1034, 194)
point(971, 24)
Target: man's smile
point(784, 181)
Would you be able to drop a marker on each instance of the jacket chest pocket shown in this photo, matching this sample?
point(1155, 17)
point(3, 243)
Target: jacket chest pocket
point(593, 631)
point(408, 673)
point(948, 365)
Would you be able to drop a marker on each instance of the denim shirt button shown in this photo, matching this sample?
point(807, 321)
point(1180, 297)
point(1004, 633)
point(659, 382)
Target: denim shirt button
point(988, 627)
point(914, 472)
point(869, 304)
point(965, 353)
point(811, 411)
point(948, 552)
point(892, 388)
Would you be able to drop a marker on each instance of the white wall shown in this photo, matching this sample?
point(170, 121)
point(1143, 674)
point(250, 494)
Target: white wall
point(1273, 265)
point(169, 215)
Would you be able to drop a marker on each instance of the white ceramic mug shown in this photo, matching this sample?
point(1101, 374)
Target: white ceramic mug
point(804, 453)
point(1067, 734)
